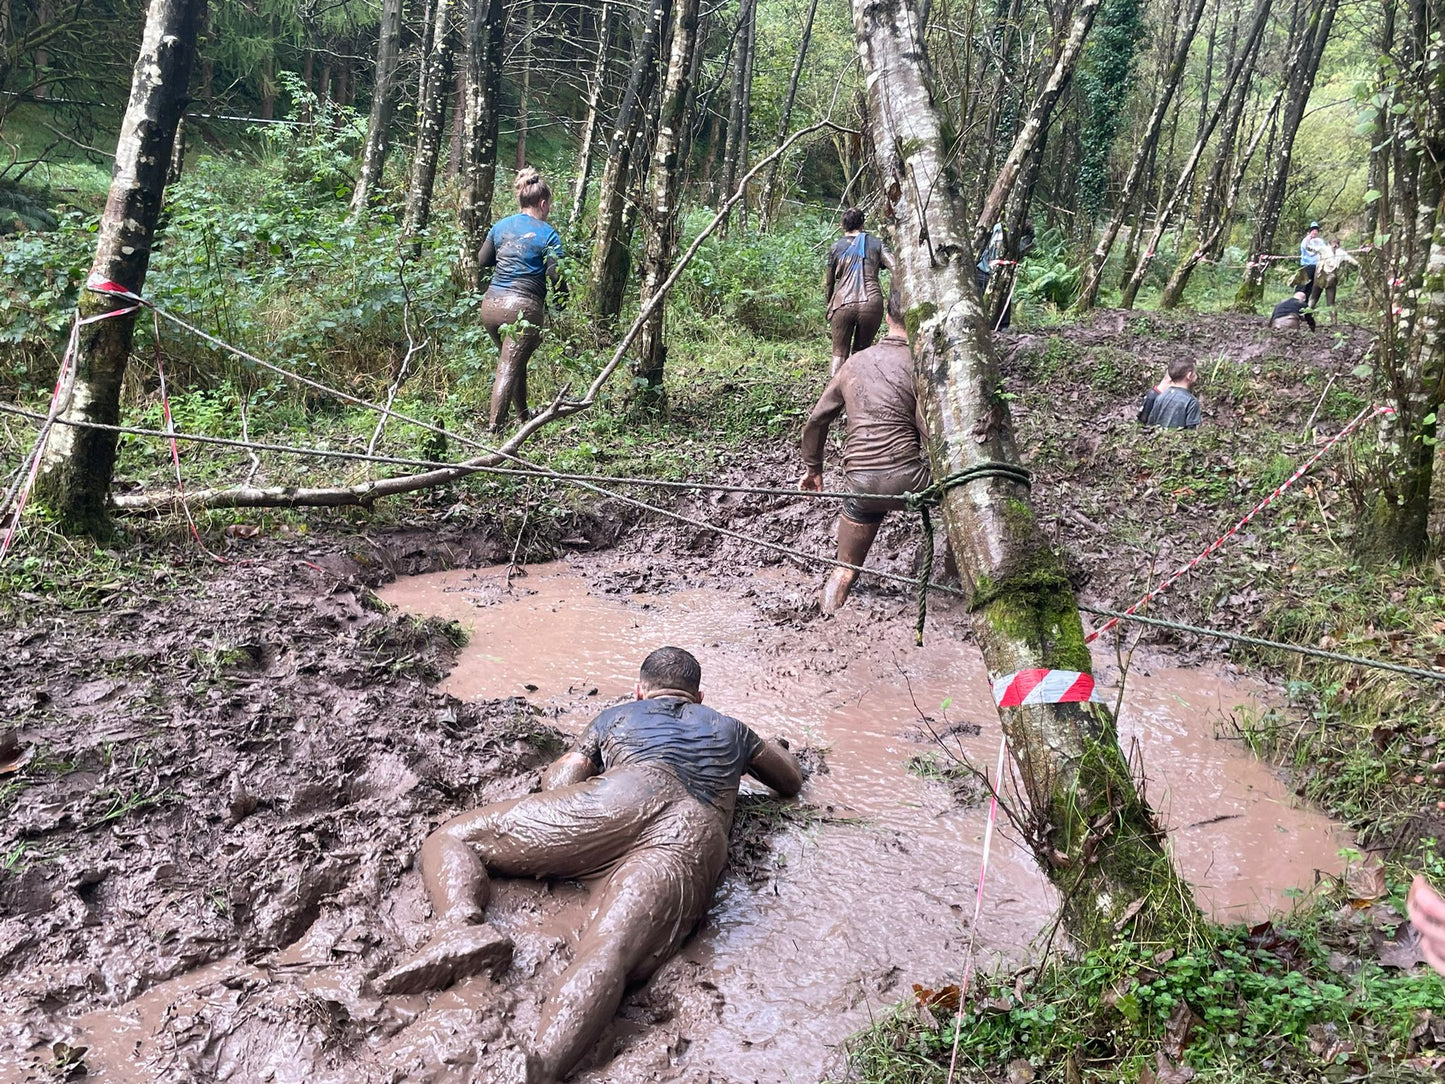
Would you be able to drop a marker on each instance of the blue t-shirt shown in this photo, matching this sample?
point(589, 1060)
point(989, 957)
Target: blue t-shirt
point(524, 246)
point(1308, 257)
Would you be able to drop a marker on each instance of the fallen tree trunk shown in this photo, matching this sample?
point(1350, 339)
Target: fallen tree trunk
point(1092, 833)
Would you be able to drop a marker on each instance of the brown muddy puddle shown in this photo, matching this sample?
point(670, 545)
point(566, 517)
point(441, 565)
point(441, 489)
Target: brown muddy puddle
point(857, 911)
point(869, 893)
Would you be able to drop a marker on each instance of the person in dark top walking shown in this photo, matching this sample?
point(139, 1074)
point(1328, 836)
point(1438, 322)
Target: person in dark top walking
point(883, 448)
point(855, 299)
point(1292, 312)
point(524, 250)
point(645, 799)
point(1171, 405)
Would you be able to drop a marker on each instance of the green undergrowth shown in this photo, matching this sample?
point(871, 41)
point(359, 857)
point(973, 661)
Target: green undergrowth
point(1297, 999)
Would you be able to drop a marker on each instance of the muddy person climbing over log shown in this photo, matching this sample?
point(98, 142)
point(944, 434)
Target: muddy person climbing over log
point(645, 798)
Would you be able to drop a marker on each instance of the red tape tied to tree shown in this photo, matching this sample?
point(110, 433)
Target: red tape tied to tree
point(1027, 687)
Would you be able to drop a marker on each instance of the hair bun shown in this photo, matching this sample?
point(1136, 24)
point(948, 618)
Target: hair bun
point(529, 187)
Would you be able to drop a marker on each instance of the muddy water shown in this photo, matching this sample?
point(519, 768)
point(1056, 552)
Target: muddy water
point(877, 895)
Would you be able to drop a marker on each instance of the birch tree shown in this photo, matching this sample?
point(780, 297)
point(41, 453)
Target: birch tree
point(1094, 836)
point(606, 17)
point(79, 462)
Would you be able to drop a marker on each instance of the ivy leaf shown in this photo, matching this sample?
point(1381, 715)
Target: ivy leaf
point(1372, 195)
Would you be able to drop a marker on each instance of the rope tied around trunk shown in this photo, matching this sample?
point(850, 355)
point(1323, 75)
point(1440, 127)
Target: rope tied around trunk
point(919, 502)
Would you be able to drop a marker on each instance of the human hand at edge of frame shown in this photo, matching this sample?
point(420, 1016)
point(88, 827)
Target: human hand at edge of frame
point(811, 481)
point(1427, 914)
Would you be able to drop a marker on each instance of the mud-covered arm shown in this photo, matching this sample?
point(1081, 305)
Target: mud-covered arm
point(815, 432)
point(487, 254)
point(581, 762)
point(830, 277)
point(775, 767)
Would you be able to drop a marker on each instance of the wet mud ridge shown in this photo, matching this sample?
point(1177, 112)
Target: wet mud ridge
point(216, 780)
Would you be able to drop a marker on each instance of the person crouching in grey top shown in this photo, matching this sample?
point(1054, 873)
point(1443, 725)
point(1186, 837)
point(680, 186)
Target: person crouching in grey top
point(644, 799)
point(1172, 405)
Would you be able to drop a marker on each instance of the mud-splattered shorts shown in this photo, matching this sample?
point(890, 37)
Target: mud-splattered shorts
point(855, 326)
point(894, 481)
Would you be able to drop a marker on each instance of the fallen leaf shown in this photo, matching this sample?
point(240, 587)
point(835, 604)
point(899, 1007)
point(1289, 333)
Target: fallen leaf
point(1020, 1071)
point(241, 530)
point(1403, 952)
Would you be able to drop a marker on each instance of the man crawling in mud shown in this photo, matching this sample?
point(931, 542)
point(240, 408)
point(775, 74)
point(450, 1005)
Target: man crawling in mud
point(646, 797)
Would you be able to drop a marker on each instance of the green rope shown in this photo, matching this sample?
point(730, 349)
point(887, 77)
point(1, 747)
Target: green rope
point(925, 577)
point(934, 494)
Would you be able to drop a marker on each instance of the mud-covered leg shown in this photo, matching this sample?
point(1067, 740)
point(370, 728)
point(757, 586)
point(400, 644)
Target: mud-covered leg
point(854, 541)
point(646, 912)
point(502, 386)
point(458, 887)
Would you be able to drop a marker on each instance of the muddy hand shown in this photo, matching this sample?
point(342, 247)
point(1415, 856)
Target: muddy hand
point(453, 953)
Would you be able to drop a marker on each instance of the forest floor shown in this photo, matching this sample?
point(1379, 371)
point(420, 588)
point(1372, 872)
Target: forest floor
point(215, 776)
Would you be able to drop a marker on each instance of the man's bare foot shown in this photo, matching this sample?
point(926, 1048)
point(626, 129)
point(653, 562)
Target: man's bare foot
point(452, 953)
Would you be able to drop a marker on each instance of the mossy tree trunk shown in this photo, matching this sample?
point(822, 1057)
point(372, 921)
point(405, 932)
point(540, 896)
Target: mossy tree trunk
point(78, 463)
point(431, 112)
point(1092, 833)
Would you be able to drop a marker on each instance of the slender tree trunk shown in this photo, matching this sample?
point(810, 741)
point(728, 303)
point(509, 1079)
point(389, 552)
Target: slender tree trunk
point(1094, 273)
point(767, 212)
point(1212, 232)
point(1033, 128)
point(1301, 81)
point(383, 107)
point(436, 76)
point(486, 35)
point(661, 221)
point(524, 103)
point(1379, 177)
point(1412, 342)
point(1093, 835)
point(1244, 62)
point(738, 102)
point(611, 253)
point(459, 121)
point(606, 16)
point(78, 463)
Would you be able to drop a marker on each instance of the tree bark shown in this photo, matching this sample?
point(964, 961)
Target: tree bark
point(78, 463)
point(767, 212)
point(383, 107)
point(611, 253)
point(606, 16)
point(739, 102)
point(1094, 273)
point(1412, 340)
point(436, 76)
point(524, 103)
point(1301, 82)
point(1093, 835)
point(1244, 61)
point(1033, 128)
point(661, 219)
point(486, 37)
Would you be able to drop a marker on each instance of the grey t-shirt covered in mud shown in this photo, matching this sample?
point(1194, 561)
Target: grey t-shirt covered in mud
point(708, 751)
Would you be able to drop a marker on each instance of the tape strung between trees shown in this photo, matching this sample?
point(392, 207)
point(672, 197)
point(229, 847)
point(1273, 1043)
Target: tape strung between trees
point(1096, 839)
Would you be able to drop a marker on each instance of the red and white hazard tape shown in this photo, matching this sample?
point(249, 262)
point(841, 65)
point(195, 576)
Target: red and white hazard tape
point(1026, 687)
point(1359, 419)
